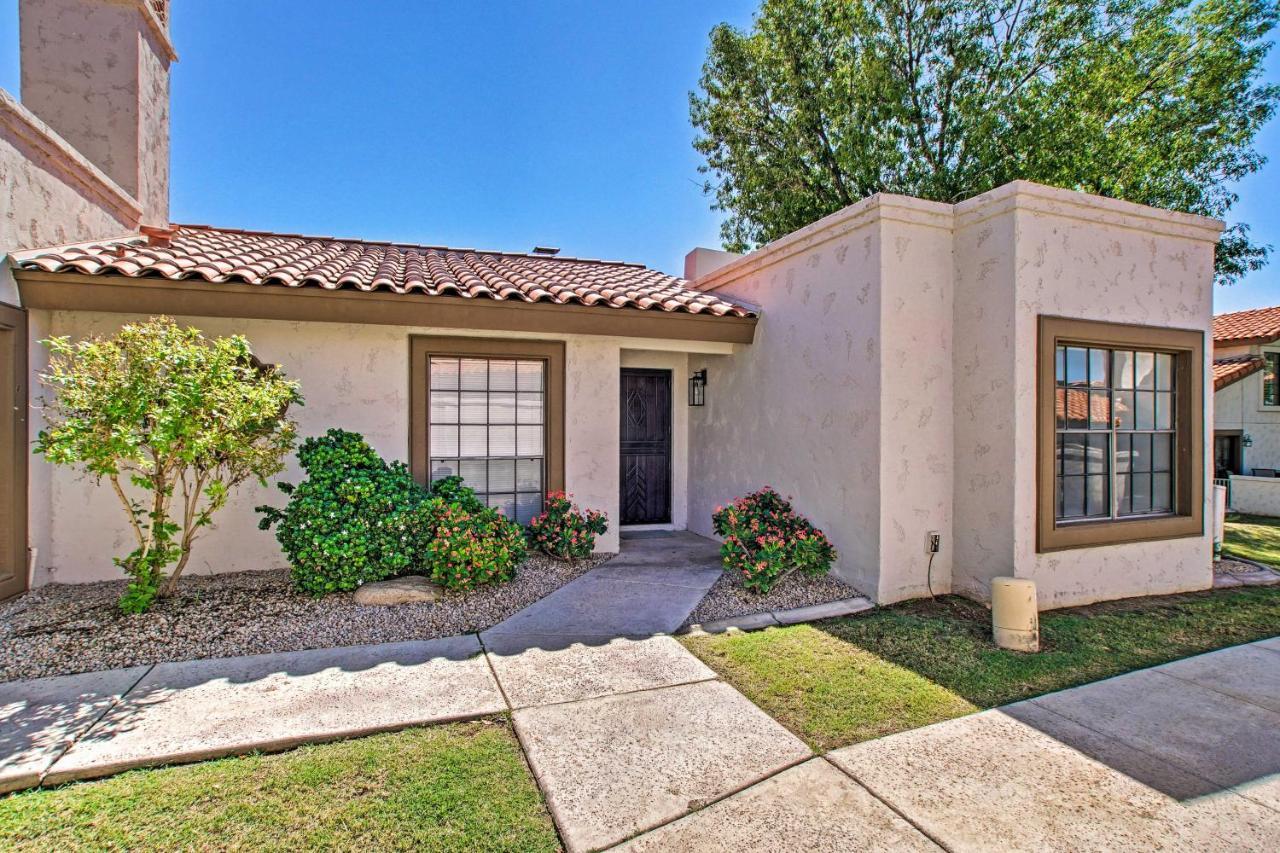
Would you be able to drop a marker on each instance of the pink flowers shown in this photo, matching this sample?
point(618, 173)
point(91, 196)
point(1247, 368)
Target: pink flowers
point(765, 540)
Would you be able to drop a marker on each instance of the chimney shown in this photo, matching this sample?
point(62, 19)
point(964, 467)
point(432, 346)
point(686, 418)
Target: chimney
point(97, 72)
point(702, 261)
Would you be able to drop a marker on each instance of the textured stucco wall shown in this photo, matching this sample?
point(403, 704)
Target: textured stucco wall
point(799, 409)
point(1239, 406)
point(916, 410)
point(678, 364)
point(1256, 495)
point(353, 377)
point(97, 73)
point(1087, 258)
point(48, 193)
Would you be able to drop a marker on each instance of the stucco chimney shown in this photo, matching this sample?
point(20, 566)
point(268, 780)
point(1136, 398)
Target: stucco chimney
point(97, 72)
point(701, 261)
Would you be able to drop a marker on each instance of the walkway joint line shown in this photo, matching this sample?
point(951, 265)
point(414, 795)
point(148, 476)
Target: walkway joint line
point(899, 812)
point(87, 729)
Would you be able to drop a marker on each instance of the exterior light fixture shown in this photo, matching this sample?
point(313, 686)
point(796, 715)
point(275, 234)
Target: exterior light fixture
point(698, 388)
point(1246, 440)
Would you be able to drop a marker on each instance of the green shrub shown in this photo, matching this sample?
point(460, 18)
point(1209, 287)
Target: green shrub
point(357, 518)
point(463, 544)
point(765, 540)
point(564, 531)
point(343, 524)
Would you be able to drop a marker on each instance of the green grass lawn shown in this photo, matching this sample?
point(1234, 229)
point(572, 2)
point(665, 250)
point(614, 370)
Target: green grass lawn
point(458, 787)
point(847, 680)
point(1254, 537)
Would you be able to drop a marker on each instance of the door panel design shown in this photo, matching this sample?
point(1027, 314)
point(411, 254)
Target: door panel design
point(645, 441)
point(13, 451)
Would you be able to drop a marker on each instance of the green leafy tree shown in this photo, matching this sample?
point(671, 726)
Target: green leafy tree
point(825, 102)
point(174, 421)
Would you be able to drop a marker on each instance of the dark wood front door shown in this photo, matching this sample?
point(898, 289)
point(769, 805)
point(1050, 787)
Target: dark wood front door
point(646, 446)
point(13, 451)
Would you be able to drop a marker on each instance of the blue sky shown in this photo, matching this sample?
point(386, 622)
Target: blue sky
point(496, 125)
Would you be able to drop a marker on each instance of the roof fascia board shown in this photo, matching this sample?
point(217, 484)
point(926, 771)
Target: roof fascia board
point(120, 294)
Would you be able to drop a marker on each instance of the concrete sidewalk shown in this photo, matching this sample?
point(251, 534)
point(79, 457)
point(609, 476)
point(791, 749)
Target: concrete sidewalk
point(637, 741)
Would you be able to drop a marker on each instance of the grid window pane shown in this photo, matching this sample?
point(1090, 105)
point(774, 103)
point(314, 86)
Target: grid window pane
point(529, 475)
point(474, 407)
point(502, 475)
point(1122, 369)
point(441, 468)
point(502, 408)
point(1077, 366)
point(502, 376)
point(473, 441)
point(529, 375)
point(475, 404)
point(1098, 368)
point(444, 374)
point(1164, 372)
point(528, 505)
point(475, 474)
point(1116, 415)
point(444, 440)
point(473, 374)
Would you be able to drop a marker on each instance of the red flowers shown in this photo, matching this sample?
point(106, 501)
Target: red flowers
point(765, 540)
point(564, 531)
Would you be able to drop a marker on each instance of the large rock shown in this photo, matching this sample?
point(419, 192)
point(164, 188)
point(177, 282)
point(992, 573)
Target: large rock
point(410, 589)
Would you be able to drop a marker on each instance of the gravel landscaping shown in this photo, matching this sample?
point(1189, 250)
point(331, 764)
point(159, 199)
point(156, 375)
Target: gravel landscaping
point(61, 629)
point(728, 597)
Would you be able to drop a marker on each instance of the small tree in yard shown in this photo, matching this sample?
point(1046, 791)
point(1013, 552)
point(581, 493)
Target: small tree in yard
point(165, 415)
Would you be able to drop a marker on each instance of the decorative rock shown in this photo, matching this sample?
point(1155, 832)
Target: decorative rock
point(410, 589)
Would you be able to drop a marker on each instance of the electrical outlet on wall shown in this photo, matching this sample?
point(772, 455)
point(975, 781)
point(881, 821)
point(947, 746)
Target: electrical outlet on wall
point(933, 542)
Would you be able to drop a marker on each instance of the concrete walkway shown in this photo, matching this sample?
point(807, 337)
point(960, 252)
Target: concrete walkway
point(650, 588)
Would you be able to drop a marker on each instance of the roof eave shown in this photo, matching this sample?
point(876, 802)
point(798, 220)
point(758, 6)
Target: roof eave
point(194, 298)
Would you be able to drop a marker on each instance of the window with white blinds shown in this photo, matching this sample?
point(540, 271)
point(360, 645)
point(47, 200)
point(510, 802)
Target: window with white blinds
point(487, 424)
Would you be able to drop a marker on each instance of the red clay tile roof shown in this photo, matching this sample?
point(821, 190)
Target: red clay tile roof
point(1233, 369)
point(293, 260)
point(1256, 324)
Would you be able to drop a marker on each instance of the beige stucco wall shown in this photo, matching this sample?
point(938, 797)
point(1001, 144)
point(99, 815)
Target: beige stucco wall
point(97, 72)
point(1255, 495)
point(1239, 407)
point(49, 193)
point(891, 386)
point(353, 377)
point(1032, 250)
point(799, 410)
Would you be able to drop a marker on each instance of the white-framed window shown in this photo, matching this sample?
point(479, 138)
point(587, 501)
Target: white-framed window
point(1271, 379)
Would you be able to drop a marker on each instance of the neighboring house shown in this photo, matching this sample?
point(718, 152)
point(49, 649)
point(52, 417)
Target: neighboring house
point(1246, 392)
point(1022, 373)
point(1246, 407)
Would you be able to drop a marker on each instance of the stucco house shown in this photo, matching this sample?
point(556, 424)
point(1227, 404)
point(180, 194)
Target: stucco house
point(1022, 374)
point(1246, 407)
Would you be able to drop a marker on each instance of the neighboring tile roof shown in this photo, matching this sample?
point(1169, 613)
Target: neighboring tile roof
point(1256, 324)
point(293, 260)
point(1233, 369)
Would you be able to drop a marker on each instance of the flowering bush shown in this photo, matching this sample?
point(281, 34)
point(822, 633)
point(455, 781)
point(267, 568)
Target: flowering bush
point(357, 518)
point(464, 546)
point(765, 540)
point(564, 531)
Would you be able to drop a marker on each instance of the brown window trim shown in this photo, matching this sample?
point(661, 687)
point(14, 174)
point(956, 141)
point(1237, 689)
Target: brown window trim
point(422, 347)
point(1187, 346)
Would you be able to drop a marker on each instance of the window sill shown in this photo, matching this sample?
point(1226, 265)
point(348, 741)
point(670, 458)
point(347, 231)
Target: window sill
point(1091, 534)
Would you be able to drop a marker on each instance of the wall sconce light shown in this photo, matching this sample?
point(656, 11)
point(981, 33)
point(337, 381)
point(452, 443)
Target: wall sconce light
point(698, 388)
point(1246, 440)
